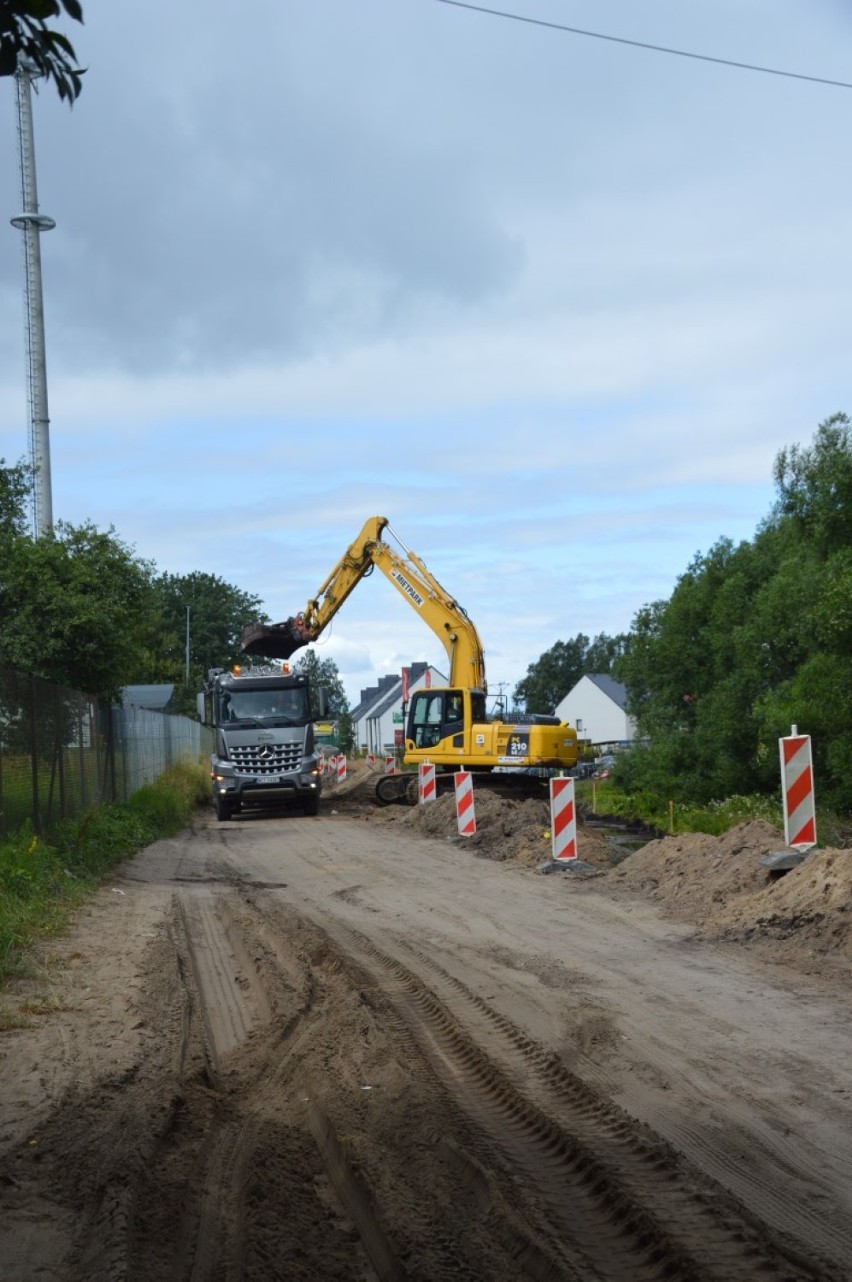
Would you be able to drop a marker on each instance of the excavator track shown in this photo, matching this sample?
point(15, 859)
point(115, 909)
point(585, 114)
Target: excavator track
point(397, 790)
point(402, 789)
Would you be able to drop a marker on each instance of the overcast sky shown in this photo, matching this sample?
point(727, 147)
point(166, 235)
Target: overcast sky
point(551, 304)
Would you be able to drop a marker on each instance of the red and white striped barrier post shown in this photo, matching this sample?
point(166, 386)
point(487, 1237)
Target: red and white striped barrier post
point(371, 758)
point(426, 787)
point(563, 820)
point(797, 787)
point(465, 812)
point(341, 768)
point(390, 765)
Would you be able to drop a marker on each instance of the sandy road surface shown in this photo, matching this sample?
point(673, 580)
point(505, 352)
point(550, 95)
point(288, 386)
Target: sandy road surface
point(300, 1048)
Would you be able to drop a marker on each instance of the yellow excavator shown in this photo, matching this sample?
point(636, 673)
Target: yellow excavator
point(447, 726)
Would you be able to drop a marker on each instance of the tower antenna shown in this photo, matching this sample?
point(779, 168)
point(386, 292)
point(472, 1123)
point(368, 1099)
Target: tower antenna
point(31, 223)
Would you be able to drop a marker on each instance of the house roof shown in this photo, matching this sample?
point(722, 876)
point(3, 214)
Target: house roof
point(610, 687)
point(371, 694)
point(386, 693)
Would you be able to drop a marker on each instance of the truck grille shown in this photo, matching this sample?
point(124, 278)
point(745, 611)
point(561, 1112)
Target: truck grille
point(278, 759)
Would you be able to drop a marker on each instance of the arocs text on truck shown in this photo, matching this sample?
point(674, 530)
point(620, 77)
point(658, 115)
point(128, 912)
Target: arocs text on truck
point(265, 752)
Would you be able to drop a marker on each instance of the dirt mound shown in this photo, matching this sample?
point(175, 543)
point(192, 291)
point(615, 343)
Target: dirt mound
point(720, 885)
point(811, 903)
point(695, 871)
point(507, 828)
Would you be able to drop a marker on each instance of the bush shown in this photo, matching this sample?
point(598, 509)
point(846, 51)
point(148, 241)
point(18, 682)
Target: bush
point(667, 815)
point(42, 880)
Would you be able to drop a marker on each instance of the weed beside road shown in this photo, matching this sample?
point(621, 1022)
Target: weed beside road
point(42, 879)
point(605, 797)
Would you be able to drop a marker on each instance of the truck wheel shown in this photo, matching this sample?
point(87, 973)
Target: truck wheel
point(224, 808)
point(311, 804)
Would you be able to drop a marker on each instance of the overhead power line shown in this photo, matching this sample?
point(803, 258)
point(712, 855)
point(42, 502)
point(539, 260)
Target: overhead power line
point(641, 44)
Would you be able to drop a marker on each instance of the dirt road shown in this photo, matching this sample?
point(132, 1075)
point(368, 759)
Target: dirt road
point(333, 1048)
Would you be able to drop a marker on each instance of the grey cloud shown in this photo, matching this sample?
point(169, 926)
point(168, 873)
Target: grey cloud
point(207, 220)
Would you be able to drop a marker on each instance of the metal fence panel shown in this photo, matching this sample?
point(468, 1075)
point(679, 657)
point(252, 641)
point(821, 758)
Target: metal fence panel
point(62, 751)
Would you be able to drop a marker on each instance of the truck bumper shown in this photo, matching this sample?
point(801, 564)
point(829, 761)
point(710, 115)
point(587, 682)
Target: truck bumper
point(249, 790)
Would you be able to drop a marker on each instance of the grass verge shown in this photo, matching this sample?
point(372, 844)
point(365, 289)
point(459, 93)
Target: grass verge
point(603, 797)
point(42, 880)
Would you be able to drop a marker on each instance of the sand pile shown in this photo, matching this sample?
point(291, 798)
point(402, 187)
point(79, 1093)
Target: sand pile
point(720, 885)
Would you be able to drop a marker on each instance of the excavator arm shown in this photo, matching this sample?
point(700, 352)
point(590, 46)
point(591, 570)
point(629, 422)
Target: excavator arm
point(411, 578)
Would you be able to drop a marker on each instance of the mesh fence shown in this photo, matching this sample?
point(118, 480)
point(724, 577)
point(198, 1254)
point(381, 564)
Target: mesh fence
point(62, 751)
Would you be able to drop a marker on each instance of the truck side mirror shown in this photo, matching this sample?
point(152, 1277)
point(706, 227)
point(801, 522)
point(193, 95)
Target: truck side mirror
point(322, 701)
point(199, 706)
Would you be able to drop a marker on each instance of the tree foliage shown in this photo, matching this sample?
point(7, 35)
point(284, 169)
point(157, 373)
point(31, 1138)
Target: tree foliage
point(346, 733)
point(72, 607)
point(217, 614)
point(550, 678)
point(16, 485)
point(26, 32)
point(754, 639)
point(815, 486)
point(323, 672)
point(80, 608)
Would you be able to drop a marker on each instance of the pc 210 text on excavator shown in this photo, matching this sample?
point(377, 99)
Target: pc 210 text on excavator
point(447, 726)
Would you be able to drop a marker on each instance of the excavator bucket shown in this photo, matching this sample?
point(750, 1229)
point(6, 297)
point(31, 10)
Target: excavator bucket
point(274, 640)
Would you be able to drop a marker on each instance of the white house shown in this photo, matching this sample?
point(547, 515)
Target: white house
point(595, 707)
point(377, 718)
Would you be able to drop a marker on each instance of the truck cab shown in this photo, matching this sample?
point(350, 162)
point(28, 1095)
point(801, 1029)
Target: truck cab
point(265, 751)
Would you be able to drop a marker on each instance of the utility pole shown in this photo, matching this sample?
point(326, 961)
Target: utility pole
point(31, 224)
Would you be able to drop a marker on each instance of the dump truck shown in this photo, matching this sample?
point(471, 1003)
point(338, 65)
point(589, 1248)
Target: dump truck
point(265, 751)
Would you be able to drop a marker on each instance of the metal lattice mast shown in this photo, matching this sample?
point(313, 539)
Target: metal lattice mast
point(31, 224)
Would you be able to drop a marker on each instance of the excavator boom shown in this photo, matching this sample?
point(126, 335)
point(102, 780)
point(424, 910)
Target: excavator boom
point(411, 578)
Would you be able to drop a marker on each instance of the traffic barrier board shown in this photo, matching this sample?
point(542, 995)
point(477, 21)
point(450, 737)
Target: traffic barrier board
point(563, 819)
point(465, 811)
point(797, 787)
point(341, 768)
point(426, 788)
point(390, 765)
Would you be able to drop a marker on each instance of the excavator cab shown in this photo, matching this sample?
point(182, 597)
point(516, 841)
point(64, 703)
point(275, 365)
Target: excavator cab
point(437, 716)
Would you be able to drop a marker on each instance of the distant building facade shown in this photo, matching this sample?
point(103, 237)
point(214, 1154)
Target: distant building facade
point(597, 709)
point(378, 718)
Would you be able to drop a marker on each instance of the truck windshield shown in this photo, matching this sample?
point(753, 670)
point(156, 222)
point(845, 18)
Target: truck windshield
point(273, 707)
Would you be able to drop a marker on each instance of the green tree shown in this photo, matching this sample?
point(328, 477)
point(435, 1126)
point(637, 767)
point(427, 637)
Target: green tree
point(72, 608)
point(555, 672)
point(25, 32)
point(755, 638)
point(346, 733)
point(693, 671)
point(323, 672)
point(217, 614)
point(815, 486)
point(16, 485)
